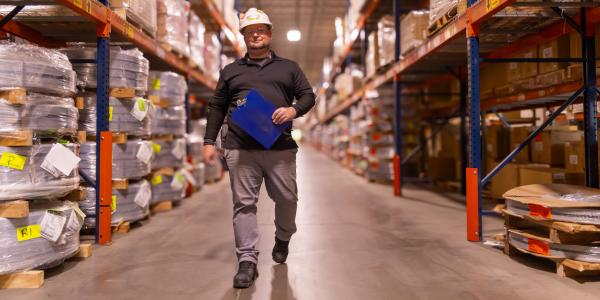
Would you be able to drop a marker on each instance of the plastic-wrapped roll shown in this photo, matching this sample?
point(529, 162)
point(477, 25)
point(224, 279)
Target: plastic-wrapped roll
point(195, 147)
point(126, 163)
point(199, 173)
point(167, 85)
point(126, 208)
point(198, 127)
point(48, 116)
point(128, 68)
point(213, 171)
point(33, 182)
point(37, 253)
point(168, 154)
point(168, 188)
point(169, 120)
point(36, 69)
point(122, 120)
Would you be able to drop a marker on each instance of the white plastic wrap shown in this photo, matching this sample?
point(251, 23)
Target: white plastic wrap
point(169, 120)
point(380, 171)
point(198, 127)
point(213, 171)
point(168, 85)
point(413, 30)
point(386, 35)
point(37, 253)
point(142, 12)
point(212, 55)
point(173, 25)
point(36, 69)
point(587, 215)
point(162, 190)
point(33, 182)
point(122, 120)
point(437, 8)
point(381, 153)
point(379, 139)
point(196, 31)
point(48, 116)
point(128, 68)
point(126, 209)
point(195, 147)
point(165, 154)
point(125, 163)
point(575, 252)
point(199, 173)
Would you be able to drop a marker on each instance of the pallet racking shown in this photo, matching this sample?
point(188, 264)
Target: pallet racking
point(455, 51)
point(94, 21)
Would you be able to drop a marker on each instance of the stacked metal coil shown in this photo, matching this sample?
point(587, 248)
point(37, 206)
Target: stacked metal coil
point(199, 173)
point(169, 120)
point(125, 164)
point(30, 180)
point(195, 147)
point(120, 120)
point(213, 171)
point(167, 85)
point(169, 154)
point(36, 69)
point(23, 248)
point(126, 208)
point(168, 188)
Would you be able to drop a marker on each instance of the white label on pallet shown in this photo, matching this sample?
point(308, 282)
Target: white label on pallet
point(160, 52)
point(490, 148)
point(529, 55)
point(179, 149)
point(177, 182)
point(189, 177)
point(143, 195)
point(558, 175)
point(62, 158)
point(539, 146)
point(50, 168)
point(573, 159)
point(547, 52)
point(145, 152)
point(512, 65)
point(52, 225)
point(75, 222)
point(139, 111)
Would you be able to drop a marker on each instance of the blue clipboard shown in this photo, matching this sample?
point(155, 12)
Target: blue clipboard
point(254, 114)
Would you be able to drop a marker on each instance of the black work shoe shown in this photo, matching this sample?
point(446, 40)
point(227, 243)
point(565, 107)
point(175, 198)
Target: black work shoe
point(280, 251)
point(245, 276)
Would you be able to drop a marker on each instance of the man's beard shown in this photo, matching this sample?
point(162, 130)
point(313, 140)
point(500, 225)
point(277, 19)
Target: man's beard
point(263, 45)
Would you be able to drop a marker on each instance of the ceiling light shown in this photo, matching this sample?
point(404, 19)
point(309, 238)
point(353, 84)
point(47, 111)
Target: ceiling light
point(293, 35)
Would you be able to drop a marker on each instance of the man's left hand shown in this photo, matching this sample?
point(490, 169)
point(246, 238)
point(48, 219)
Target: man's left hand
point(283, 114)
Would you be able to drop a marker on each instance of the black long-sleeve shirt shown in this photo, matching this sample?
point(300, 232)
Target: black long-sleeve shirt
point(279, 80)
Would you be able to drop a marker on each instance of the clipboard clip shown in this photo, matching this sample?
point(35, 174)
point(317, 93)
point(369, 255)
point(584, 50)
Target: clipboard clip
point(241, 102)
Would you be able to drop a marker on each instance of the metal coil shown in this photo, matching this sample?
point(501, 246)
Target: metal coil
point(195, 148)
point(165, 158)
point(163, 191)
point(122, 121)
point(213, 171)
point(588, 215)
point(37, 253)
point(587, 253)
point(167, 85)
point(33, 182)
point(126, 208)
point(169, 120)
point(199, 173)
point(125, 163)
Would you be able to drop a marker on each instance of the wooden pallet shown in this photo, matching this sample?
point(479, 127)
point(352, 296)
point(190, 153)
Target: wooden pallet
point(85, 251)
point(122, 227)
point(164, 171)
point(158, 101)
point(167, 205)
point(122, 12)
point(16, 96)
point(122, 93)
point(16, 138)
point(442, 21)
point(162, 137)
point(79, 194)
point(14, 209)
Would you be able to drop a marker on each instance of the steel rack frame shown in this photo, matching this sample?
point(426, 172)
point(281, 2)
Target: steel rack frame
point(106, 22)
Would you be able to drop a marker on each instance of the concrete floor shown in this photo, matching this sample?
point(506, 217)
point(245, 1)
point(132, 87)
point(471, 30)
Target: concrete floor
point(354, 241)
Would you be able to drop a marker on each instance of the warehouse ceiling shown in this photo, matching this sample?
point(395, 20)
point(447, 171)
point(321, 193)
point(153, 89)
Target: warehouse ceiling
point(315, 19)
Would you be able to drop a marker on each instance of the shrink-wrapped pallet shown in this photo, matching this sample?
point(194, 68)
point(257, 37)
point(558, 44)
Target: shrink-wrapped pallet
point(36, 69)
point(22, 175)
point(172, 22)
point(195, 148)
point(386, 35)
point(47, 116)
point(169, 120)
point(199, 173)
point(213, 171)
point(121, 118)
point(449, 8)
point(131, 204)
point(169, 154)
point(26, 243)
point(196, 38)
point(413, 30)
point(128, 160)
point(142, 12)
point(128, 68)
point(168, 188)
point(167, 85)
point(212, 55)
point(372, 59)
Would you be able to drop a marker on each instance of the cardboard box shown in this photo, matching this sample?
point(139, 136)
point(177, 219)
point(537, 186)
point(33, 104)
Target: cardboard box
point(575, 178)
point(413, 30)
point(507, 178)
point(493, 76)
point(529, 69)
point(575, 156)
point(541, 175)
point(372, 59)
point(441, 167)
point(558, 48)
point(518, 135)
point(497, 140)
point(548, 147)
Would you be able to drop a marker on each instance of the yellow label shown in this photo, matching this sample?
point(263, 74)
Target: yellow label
point(28, 233)
point(113, 203)
point(12, 160)
point(141, 104)
point(157, 180)
point(110, 113)
point(156, 147)
point(78, 3)
point(156, 84)
point(89, 7)
point(130, 32)
point(491, 4)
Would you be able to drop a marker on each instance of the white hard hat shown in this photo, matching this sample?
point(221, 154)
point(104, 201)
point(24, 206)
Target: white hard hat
point(253, 16)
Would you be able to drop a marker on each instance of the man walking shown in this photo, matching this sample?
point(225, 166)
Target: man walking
point(279, 80)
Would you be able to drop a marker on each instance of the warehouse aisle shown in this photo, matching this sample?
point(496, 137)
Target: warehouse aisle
point(355, 241)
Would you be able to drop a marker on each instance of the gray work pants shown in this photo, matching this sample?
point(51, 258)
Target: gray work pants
point(247, 168)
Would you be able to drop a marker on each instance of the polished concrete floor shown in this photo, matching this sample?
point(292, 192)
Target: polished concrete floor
point(355, 241)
